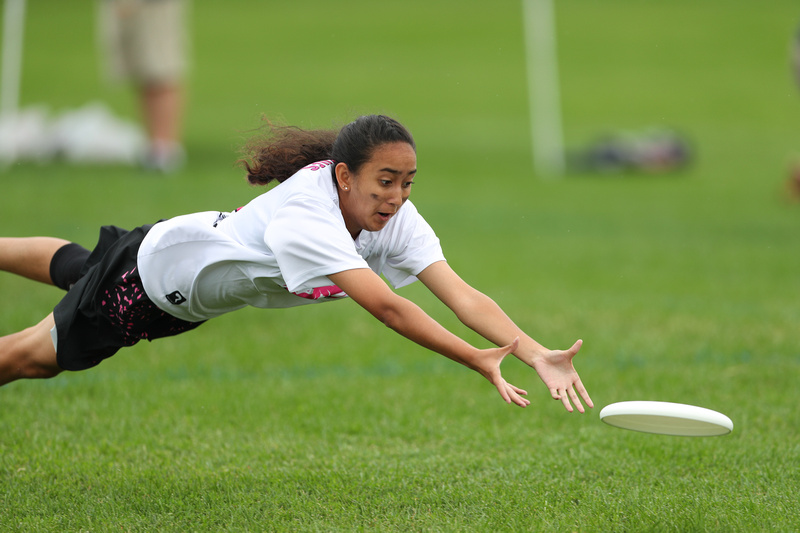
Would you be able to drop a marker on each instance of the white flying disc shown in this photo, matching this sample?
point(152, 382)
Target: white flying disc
point(666, 418)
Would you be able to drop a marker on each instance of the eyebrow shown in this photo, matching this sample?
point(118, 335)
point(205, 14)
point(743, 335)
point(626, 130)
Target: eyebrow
point(397, 172)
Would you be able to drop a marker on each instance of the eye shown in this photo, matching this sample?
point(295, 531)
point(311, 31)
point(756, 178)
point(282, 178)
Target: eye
point(386, 182)
point(408, 184)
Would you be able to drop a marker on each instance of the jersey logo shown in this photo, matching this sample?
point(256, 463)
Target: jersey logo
point(175, 298)
point(222, 216)
point(319, 165)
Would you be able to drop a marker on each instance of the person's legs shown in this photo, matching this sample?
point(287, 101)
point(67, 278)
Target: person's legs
point(162, 109)
point(29, 354)
point(29, 256)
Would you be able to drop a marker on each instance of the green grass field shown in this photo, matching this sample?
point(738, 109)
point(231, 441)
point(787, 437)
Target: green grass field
point(684, 287)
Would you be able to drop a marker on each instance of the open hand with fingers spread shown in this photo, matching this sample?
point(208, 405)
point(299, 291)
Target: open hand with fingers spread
point(488, 365)
point(554, 367)
point(556, 370)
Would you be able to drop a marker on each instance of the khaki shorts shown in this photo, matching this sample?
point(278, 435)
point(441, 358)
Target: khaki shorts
point(144, 41)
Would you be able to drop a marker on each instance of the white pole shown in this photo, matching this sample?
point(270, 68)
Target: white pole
point(543, 87)
point(13, 26)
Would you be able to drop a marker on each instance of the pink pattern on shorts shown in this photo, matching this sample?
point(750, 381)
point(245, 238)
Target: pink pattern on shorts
point(127, 306)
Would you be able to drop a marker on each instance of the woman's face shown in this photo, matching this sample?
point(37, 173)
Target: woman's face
point(370, 198)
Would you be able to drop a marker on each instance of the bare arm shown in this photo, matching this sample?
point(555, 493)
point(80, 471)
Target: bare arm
point(406, 318)
point(481, 314)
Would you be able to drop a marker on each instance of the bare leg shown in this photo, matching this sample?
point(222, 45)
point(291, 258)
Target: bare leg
point(162, 108)
point(29, 354)
point(29, 256)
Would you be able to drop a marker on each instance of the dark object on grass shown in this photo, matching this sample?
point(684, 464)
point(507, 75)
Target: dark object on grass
point(654, 151)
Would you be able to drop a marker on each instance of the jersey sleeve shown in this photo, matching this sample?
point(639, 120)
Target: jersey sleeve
point(419, 249)
point(310, 242)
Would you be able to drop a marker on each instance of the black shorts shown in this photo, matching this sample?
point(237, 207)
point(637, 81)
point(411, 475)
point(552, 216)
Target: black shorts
point(107, 308)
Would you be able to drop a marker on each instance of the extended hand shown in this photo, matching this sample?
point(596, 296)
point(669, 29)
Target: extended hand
point(558, 374)
point(489, 367)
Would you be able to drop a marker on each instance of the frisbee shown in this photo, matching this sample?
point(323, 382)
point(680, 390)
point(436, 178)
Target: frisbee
point(666, 418)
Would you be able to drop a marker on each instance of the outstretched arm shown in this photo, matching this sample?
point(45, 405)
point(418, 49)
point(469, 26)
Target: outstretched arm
point(481, 314)
point(405, 317)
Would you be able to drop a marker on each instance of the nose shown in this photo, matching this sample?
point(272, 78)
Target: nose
point(396, 197)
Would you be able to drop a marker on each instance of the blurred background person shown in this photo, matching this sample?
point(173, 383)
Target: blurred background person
point(145, 43)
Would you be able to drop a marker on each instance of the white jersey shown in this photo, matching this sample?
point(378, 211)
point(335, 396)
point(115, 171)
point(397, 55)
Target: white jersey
point(276, 251)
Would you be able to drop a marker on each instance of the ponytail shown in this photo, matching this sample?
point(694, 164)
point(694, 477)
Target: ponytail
point(283, 150)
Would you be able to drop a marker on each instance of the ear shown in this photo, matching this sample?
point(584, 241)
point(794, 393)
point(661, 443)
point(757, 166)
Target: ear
point(343, 176)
